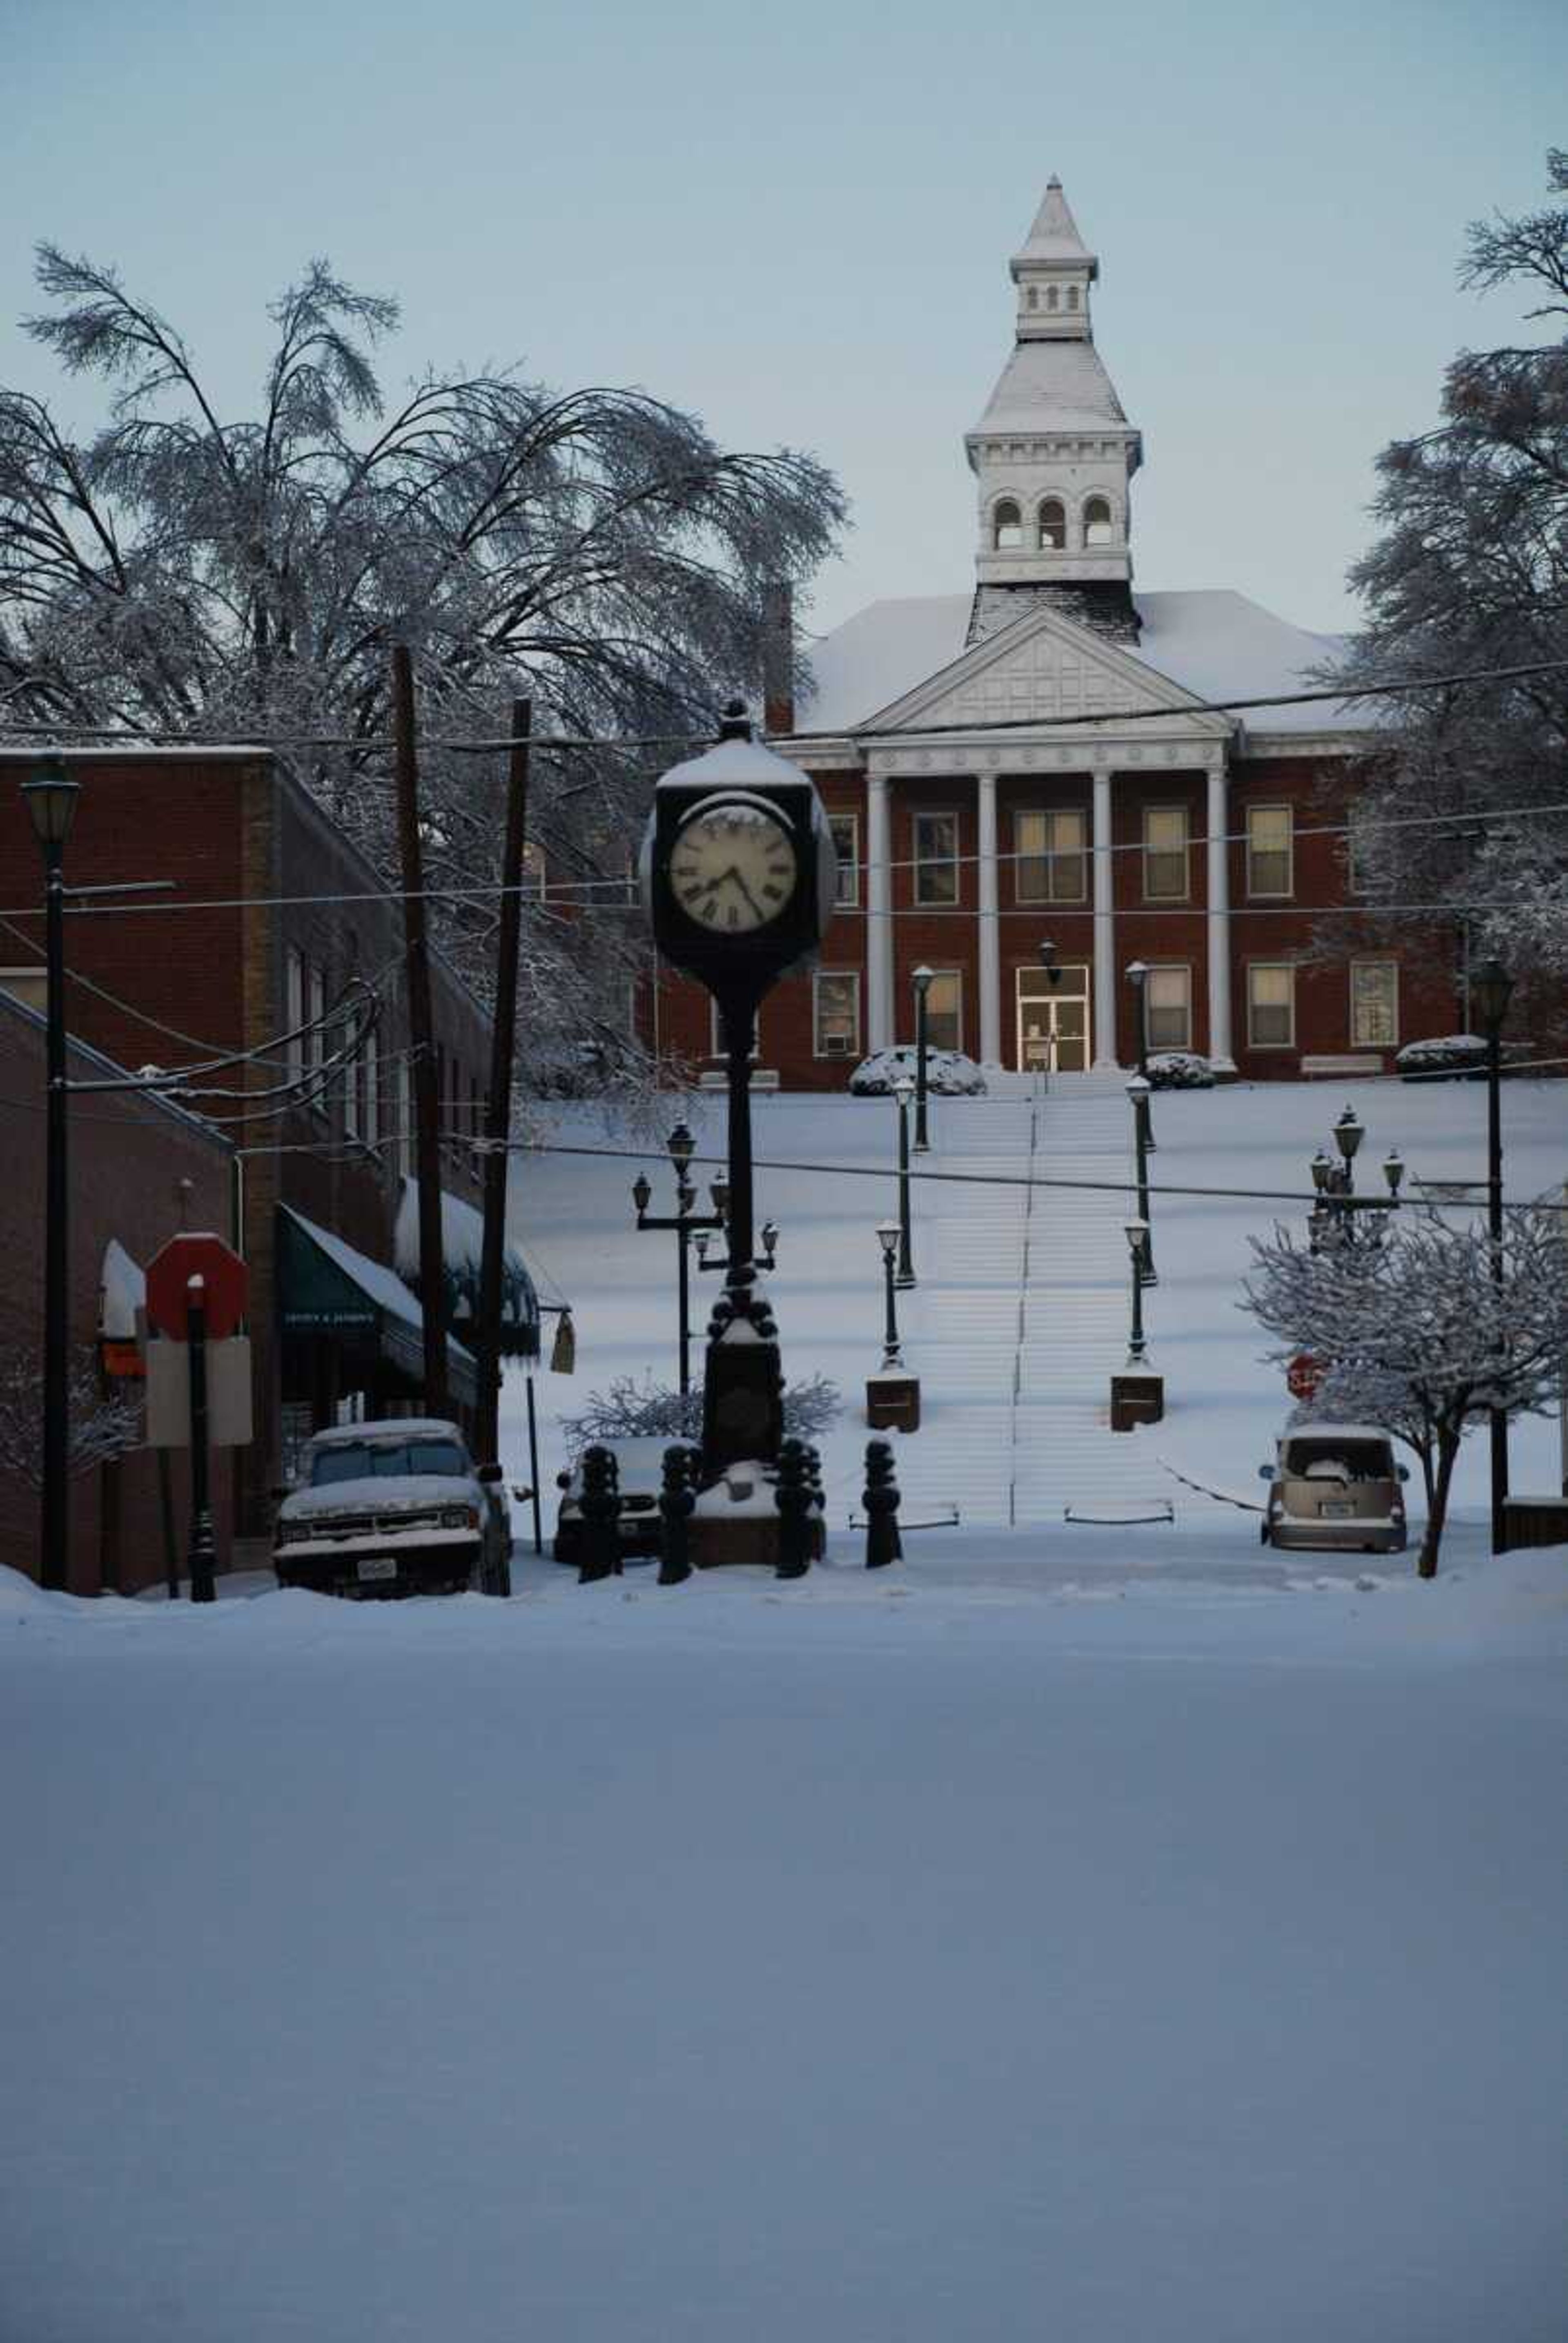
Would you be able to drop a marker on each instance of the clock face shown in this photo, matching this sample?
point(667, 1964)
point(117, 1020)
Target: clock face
point(733, 869)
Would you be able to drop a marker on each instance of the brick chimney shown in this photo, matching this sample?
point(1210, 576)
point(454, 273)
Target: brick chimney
point(778, 660)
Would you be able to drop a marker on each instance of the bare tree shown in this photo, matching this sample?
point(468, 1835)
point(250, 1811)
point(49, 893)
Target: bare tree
point(103, 1425)
point(181, 573)
point(1421, 1333)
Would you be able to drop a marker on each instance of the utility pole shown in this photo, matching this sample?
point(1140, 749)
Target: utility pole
point(499, 1113)
point(421, 1035)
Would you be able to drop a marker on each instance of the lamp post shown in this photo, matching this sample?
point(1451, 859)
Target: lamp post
point(1137, 973)
point(51, 802)
point(1138, 1092)
point(888, 1238)
point(1334, 1218)
point(903, 1091)
point(685, 1223)
point(1490, 989)
point(1137, 1238)
point(922, 984)
point(1053, 978)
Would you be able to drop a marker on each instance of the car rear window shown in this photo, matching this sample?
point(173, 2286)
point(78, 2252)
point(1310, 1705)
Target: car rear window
point(1353, 1460)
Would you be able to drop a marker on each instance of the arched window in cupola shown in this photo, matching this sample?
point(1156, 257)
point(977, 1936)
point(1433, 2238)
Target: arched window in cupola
point(1007, 527)
point(1054, 526)
point(1031, 298)
point(1072, 297)
point(1097, 528)
point(1051, 297)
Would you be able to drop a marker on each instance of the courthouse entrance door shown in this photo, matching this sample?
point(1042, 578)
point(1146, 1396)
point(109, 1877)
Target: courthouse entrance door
point(1053, 1021)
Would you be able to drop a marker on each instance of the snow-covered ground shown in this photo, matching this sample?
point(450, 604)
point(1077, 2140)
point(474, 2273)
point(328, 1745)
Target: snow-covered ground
point(1073, 1932)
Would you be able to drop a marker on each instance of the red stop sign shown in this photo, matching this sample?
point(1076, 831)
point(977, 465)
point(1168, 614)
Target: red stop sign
point(1304, 1375)
point(226, 1281)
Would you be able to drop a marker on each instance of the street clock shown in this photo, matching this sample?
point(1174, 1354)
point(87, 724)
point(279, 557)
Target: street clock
point(738, 870)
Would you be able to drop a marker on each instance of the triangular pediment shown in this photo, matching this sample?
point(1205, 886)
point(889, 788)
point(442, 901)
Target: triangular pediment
point(1046, 668)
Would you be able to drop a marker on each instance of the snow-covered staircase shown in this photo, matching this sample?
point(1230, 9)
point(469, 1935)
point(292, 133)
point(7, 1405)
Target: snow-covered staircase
point(1020, 1316)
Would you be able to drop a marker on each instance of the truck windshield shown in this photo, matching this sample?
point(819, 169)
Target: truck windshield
point(388, 1460)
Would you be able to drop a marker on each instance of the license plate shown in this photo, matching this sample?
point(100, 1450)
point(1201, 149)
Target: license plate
point(1338, 1512)
point(376, 1565)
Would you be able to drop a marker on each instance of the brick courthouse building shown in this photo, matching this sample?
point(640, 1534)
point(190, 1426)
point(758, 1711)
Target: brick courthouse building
point(975, 812)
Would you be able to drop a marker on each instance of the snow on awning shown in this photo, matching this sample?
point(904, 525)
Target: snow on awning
point(327, 1286)
point(462, 1245)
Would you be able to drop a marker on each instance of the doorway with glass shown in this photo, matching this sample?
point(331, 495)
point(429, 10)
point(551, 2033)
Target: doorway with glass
point(1053, 1019)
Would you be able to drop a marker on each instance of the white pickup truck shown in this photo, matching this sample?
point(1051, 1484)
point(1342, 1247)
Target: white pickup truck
point(396, 1507)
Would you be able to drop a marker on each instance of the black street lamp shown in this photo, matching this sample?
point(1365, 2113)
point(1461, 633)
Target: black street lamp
point(922, 984)
point(685, 1223)
point(888, 1238)
point(1053, 978)
point(1335, 1219)
point(1490, 989)
point(903, 1091)
point(51, 802)
point(1137, 973)
point(1137, 1232)
point(1138, 1088)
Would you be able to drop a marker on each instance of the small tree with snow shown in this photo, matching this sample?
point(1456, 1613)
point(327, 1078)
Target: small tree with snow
point(1420, 1335)
point(103, 1425)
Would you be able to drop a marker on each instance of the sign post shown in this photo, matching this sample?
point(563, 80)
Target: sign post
point(196, 1292)
point(202, 1554)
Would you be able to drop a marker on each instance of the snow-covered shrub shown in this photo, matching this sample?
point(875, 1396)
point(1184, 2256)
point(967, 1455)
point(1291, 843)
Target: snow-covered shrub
point(630, 1410)
point(949, 1073)
point(1450, 1054)
point(1180, 1070)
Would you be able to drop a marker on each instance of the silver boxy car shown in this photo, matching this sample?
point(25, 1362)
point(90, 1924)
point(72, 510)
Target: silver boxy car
point(1336, 1487)
point(395, 1507)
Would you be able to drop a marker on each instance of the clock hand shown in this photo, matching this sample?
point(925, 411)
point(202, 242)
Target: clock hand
point(733, 872)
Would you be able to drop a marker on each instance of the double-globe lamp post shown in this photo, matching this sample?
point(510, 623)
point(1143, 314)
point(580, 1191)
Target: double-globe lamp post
point(1490, 990)
point(921, 981)
point(1137, 974)
point(1334, 1218)
point(51, 801)
point(685, 1223)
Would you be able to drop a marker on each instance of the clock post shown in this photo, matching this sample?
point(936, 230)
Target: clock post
point(738, 877)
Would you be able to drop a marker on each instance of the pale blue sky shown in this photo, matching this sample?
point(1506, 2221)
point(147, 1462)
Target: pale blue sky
point(796, 221)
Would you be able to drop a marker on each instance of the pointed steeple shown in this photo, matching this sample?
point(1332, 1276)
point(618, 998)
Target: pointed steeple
point(1054, 274)
point(1053, 454)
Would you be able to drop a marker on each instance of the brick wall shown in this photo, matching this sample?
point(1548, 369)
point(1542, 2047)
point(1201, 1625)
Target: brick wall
point(127, 1159)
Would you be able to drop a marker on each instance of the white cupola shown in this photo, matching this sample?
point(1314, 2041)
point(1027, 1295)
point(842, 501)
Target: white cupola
point(1053, 455)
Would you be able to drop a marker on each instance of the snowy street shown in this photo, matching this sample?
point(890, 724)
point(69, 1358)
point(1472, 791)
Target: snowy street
point(979, 1953)
point(1080, 1931)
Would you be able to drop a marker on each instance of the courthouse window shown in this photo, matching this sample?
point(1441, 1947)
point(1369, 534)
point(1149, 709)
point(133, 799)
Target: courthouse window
point(836, 1013)
point(1165, 853)
point(1168, 1006)
point(1050, 856)
point(1375, 1004)
point(846, 830)
point(936, 837)
point(1269, 845)
point(945, 1010)
point(1270, 1005)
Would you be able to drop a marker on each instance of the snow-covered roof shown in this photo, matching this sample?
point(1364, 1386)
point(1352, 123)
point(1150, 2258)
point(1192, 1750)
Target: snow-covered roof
point(1209, 642)
point(121, 1292)
point(1053, 386)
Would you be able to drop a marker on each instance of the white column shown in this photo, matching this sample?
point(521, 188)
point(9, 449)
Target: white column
point(1105, 928)
point(989, 928)
point(879, 1033)
point(1219, 924)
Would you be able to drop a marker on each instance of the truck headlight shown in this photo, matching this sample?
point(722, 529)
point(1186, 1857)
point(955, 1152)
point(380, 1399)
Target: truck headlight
point(459, 1517)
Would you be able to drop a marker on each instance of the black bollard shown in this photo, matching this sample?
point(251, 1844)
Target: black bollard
point(676, 1501)
point(881, 1501)
point(601, 1518)
point(794, 1498)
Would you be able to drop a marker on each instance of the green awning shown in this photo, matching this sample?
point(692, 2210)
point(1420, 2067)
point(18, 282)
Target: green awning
point(326, 1287)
